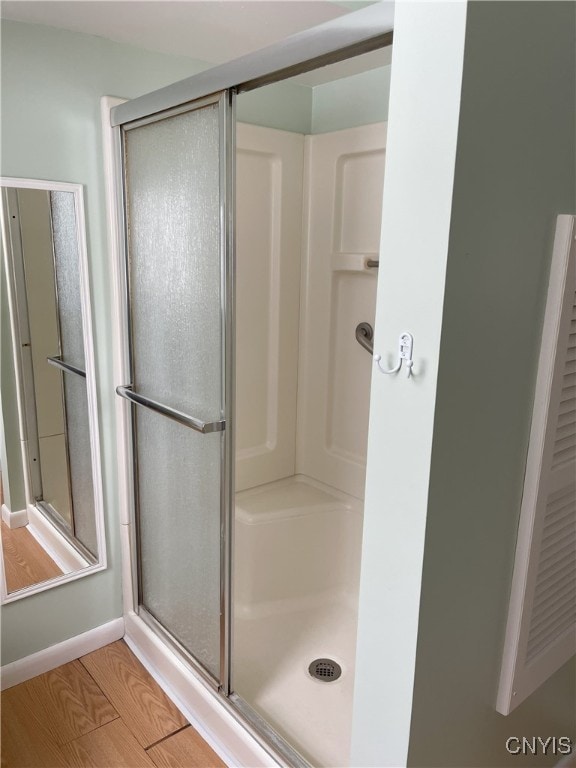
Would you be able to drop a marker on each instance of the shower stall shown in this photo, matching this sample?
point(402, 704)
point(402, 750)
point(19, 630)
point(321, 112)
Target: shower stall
point(248, 278)
point(307, 243)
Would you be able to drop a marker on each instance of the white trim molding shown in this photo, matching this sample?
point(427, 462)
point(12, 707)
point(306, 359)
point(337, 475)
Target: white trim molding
point(203, 708)
point(53, 542)
point(14, 519)
point(61, 653)
point(120, 348)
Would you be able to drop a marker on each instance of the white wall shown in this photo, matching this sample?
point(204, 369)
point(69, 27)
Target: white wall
point(421, 153)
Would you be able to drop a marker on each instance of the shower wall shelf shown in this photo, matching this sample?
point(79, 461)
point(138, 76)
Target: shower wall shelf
point(355, 262)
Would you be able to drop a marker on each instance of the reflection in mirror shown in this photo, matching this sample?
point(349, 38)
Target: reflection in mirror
point(52, 511)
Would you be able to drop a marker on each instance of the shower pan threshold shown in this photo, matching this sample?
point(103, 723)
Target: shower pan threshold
point(298, 546)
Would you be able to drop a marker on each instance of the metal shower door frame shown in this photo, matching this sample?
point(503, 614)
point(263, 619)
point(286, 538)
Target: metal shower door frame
point(345, 37)
point(225, 101)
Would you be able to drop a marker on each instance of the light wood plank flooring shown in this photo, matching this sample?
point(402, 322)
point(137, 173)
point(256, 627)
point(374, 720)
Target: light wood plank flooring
point(25, 562)
point(104, 711)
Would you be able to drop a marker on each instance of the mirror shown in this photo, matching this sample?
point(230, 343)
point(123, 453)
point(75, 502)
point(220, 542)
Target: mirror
point(52, 521)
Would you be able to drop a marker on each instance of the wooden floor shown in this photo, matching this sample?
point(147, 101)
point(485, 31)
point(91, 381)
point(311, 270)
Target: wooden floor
point(25, 562)
point(103, 710)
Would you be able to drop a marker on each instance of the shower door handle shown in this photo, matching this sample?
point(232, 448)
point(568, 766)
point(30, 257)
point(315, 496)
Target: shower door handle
point(205, 427)
point(57, 362)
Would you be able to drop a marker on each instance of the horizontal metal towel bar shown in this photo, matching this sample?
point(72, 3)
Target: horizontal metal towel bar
point(205, 427)
point(59, 363)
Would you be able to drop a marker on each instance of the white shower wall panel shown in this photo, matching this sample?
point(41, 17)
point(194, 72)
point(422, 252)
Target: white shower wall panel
point(344, 177)
point(308, 221)
point(268, 246)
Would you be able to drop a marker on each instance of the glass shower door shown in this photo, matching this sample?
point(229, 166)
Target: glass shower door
point(176, 188)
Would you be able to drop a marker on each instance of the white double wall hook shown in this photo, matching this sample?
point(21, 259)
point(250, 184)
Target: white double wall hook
point(405, 346)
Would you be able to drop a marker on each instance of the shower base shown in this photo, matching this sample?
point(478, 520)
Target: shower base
point(298, 545)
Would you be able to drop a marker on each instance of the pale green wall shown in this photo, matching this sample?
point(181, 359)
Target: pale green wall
point(346, 103)
point(351, 101)
point(52, 81)
point(515, 171)
point(283, 105)
point(499, 194)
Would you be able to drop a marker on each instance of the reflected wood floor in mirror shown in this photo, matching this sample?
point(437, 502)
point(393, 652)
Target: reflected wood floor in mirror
point(25, 562)
point(103, 710)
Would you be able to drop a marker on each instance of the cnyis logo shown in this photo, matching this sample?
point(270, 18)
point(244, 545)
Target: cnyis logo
point(539, 745)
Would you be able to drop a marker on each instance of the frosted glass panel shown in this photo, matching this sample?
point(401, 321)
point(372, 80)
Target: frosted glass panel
point(80, 457)
point(67, 261)
point(173, 219)
point(179, 493)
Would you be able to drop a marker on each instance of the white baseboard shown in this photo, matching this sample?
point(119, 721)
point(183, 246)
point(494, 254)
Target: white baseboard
point(199, 704)
point(61, 653)
point(16, 519)
point(53, 543)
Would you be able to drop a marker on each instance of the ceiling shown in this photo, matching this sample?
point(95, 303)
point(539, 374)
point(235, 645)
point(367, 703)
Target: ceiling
point(212, 31)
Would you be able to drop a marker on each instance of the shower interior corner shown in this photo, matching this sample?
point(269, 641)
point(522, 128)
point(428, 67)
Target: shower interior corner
point(308, 211)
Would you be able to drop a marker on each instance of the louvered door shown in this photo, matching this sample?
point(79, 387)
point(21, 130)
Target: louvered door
point(541, 630)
